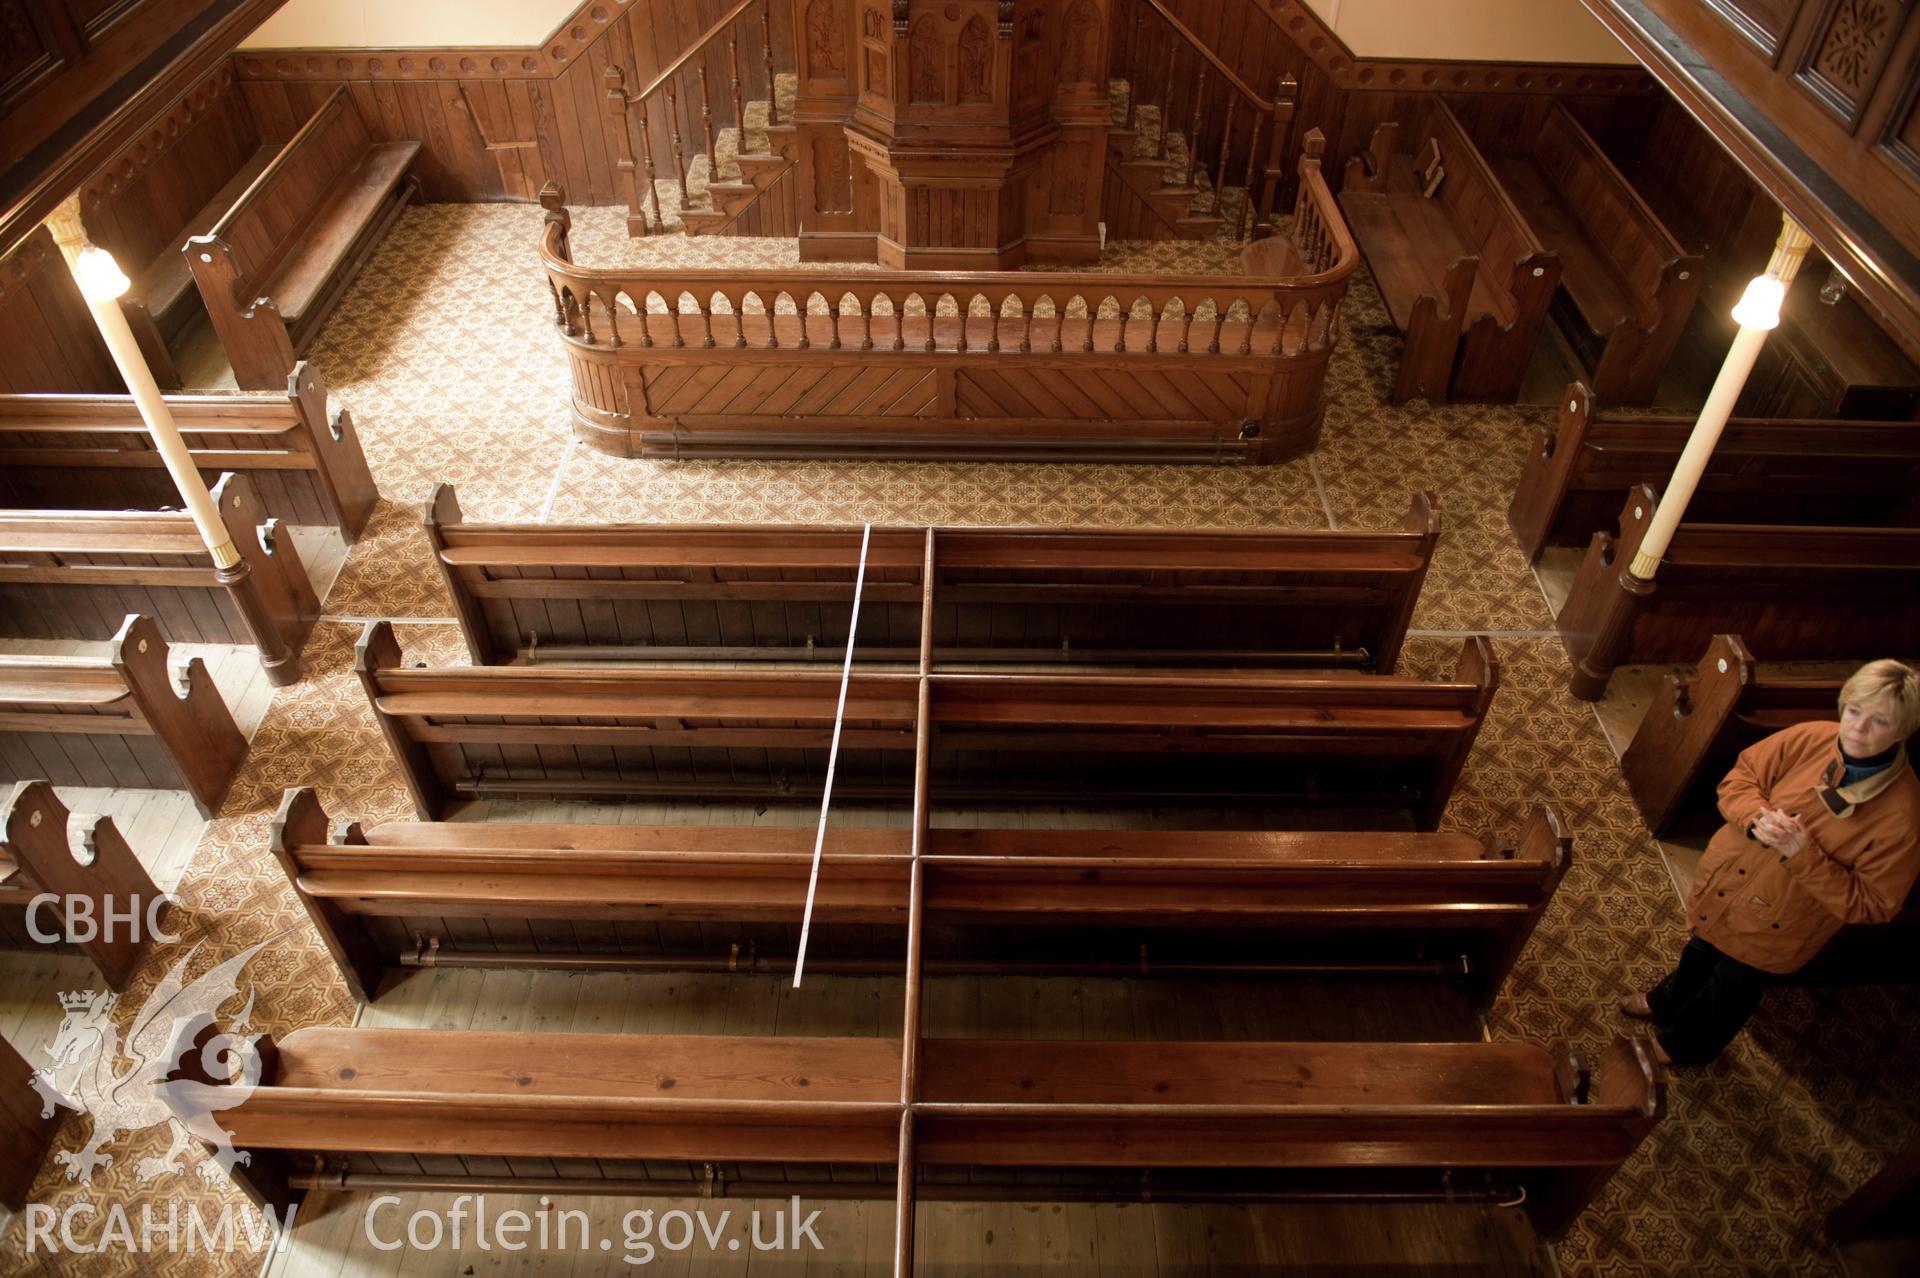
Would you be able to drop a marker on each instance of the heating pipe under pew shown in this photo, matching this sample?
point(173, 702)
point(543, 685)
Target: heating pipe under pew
point(748, 962)
point(598, 654)
point(1487, 1193)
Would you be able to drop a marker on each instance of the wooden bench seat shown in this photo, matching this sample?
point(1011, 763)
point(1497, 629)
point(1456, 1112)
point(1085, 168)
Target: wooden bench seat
point(272, 266)
point(556, 593)
point(1380, 747)
point(158, 305)
point(118, 720)
point(1237, 902)
point(93, 452)
point(1463, 276)
point(1802, 593)
point(77, 574)
point(300, 286)
point(1785, 471)
point(46, 873)
point(1626, 284)
point(637, 1114)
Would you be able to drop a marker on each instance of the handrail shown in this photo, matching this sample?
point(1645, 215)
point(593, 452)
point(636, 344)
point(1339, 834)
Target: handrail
point(707, 37)
point(277, 163)
point(1199, 46)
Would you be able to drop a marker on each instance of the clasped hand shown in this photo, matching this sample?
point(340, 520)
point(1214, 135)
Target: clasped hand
point(1780, 831)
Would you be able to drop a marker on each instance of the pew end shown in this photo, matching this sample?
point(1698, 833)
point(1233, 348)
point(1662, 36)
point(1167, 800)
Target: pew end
point(1548, 471)
point(274, 596)
point(1596, 623)
point(375, 652)
point(441, 513)
point(302, 822)
point(250, 329)
point(1367, 170)
point(191, 1087)
point(98, 866)
point(208, 745)
point(1688, 714)
point(342, 472)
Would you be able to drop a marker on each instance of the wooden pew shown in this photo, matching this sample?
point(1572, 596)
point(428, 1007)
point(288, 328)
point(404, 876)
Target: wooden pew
point(75, 574)
point(1461, 272)
point(25, 1136)
point(118, 720)
point(275, 263)
point(361, 1109)
point(556, 593)
point(1696, 726)
point(405, 894)
point(1627, 285)
point(1799, 593)
point(161, 299)
point(44, 883)
point(93, 452)
point(1789, 471)
point(1381, 747)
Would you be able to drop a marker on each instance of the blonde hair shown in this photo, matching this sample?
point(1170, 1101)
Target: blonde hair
point(1888, 678)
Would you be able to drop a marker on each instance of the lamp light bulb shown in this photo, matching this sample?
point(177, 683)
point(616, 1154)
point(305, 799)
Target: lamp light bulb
point(99, 276)
point(1759, 306)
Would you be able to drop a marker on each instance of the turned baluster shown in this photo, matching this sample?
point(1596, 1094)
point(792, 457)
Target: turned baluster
point(679, 152)
point(1246, 334)
point(766, 56)
point(1219, 320)
point(706, 319)
point(733, 73)
point(1166, 103)
point(673, 318)
point(801, 313)
point(613, 320)
point(1193, 129)
point(833, 318)
point(994, 315)
point(738, 305)
point(1153, 328)
point(706, 125)
point(653, 180)
point(1226, 147)
point(1253, 166)
point(1280, 325)
point(1134, 65)
point(963, 308)
point(1124, 314)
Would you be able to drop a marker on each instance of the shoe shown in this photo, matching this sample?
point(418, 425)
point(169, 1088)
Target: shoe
point(1635, 1005)
point(1658, 1052)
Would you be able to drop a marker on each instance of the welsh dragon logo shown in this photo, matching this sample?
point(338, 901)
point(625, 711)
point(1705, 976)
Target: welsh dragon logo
point(153, 1077)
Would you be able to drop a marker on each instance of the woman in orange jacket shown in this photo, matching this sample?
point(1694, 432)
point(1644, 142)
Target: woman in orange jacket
point(1823, 829)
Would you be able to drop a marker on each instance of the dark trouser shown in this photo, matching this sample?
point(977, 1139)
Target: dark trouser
point(1703, 1002)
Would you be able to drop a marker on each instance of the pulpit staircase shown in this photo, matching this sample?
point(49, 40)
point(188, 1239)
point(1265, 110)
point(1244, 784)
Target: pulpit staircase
point(1170, 89)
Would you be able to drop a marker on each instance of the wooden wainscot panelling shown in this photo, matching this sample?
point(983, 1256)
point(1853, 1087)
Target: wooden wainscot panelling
point(48, 335)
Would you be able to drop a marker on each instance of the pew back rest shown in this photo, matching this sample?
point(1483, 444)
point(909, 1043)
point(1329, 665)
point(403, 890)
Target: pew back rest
point(261, 226)
point(1242, 598)
point(1487, 217)
point(95, 451)
point(1614, 216)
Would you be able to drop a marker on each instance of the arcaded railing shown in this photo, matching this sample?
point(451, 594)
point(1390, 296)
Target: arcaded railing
point(872, 363)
